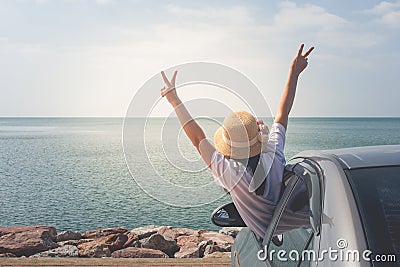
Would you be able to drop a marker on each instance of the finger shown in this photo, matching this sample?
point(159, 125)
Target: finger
point(309, 51)
point(165, 78)
point(174, 77)
point(300, 50)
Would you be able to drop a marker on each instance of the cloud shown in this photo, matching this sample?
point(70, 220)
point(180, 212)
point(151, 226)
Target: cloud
point(305, 23)
point(237, 26)
point(388, 13)
point(217, 15)
point(297, 17)
point(232, 35)
point(384, 7)
point(322, 27)
point(104, 2)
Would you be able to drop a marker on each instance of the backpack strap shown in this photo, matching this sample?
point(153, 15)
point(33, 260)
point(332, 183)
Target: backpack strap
point(280, 208)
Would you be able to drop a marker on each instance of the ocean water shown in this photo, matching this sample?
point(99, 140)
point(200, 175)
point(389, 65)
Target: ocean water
point(71, 172)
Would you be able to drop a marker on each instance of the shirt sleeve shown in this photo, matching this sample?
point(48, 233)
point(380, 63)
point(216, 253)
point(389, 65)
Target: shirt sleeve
point(276, 141)
point(226, 172)
point(274, 162)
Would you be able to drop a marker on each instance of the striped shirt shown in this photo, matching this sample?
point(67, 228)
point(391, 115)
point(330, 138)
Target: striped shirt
point(257, 210)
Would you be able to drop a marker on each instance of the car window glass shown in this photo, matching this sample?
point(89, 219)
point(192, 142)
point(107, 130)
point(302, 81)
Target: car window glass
point(376, 192)
point(313, 182)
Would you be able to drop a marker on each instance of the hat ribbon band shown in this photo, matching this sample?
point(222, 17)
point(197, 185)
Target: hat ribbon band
point(239, 144)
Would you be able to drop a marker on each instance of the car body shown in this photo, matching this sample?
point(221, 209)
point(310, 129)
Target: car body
point(354, 206)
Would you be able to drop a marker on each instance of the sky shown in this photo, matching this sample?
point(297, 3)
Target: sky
point(89, 58)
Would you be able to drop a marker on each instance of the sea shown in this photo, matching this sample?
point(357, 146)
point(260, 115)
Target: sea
point(75, 174)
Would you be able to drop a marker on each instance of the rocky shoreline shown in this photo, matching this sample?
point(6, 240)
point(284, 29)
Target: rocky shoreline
point(143, 242)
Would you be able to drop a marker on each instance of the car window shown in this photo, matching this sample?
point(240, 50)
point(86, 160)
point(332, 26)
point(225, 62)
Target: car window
point(298, 222)
point(376, 191)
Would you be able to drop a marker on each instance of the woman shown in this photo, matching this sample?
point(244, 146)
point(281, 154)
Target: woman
point(241, 147)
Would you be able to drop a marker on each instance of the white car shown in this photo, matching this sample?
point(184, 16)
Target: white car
point(353, 196)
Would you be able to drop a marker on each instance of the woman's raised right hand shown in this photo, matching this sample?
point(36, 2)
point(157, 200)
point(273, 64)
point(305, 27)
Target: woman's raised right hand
point(300, 61)
point(169, 90)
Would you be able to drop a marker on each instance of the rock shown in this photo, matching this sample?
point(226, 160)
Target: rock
point(160, 242)
point(222, 242)
point(27, 240)
point(103, 246)
point(189, 247)
point(216, 248)
point(68, 235)
point(81, 241)
point(182, 240)
point(102, 242)
point(190, 250)
point(202, 247)
point(74, 242)
point(221, 255)
point(93, 250)
point(132, 252)
point(136, 244)
point(64, 251)
point(7, 255)
point(103, 232)
point(69, 243)
point(132, 238)
point(209, 249)
point(176, 232)
point(231, 231)
point(114, 241)
point(146, 231)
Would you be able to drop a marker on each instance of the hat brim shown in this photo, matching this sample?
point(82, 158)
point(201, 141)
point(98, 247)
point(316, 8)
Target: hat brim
point(234, 152)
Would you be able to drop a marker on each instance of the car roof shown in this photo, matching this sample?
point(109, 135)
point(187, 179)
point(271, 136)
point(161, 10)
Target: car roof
point(359, 157)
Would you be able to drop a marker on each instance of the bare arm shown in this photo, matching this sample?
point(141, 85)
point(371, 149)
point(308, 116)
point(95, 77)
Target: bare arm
point(190, 126)
point(286, 103)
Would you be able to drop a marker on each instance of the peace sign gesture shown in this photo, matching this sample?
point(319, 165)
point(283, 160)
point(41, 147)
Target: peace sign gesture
point(300, 61)
point(169, 90)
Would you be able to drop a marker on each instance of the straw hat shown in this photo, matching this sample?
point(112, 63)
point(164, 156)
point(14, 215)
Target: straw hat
point(238, 136)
